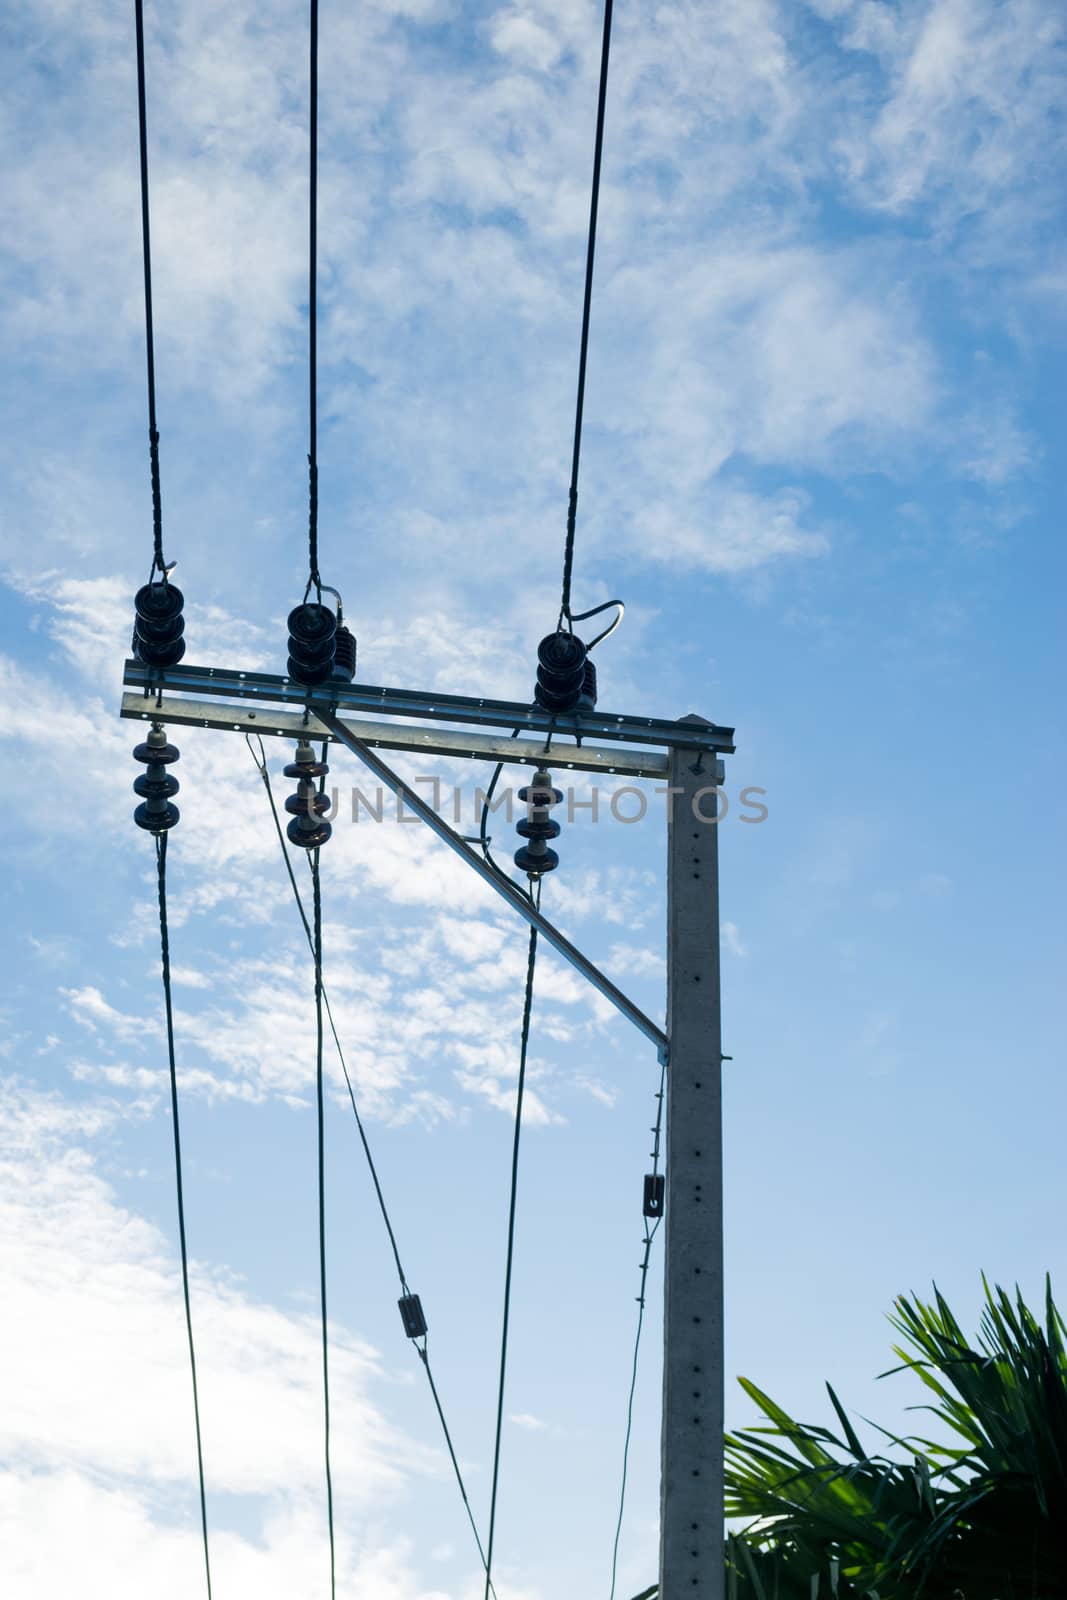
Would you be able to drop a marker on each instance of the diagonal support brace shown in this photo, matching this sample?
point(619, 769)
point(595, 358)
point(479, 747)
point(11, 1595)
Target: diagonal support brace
point(504, 886)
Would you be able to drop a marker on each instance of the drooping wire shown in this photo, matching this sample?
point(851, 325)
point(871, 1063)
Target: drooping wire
point(483, 836)
point(314, 580)
point(161, 866)
point(583, 351)
point(320, 1106)
point(422, 1347)
point(650, 1234)
point(531, 963)
point(594, 611)
point(150, 352)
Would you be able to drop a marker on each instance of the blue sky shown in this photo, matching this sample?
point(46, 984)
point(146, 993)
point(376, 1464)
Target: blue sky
point(822, 464)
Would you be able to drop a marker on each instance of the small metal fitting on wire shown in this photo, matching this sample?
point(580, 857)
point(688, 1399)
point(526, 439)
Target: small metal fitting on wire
point(312, 643)
point(157, 812)
point(307, 806)
point(535, 858)
point(412, 1316)
point(158, 624)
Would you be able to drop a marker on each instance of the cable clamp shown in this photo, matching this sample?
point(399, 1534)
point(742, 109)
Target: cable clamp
point(411, 1314)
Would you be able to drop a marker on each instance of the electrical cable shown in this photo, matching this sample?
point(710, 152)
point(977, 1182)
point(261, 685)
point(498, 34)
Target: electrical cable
point(580, 616)
point(483, 838)
point(531, 963)
point(650, 1234)
point(261, 763)
point(161, 864)
point(423, 1347)
point(153, 430)
point(319, 1101)
point(314, 580)
point(583, 351)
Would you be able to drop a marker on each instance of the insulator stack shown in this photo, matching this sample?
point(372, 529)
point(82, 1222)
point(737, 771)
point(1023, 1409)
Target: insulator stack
point(561, 672)
point(344, 661)
point(312, 643)
point(307, 806)
point(536, 857)
point(158, 625)
point(157, 812)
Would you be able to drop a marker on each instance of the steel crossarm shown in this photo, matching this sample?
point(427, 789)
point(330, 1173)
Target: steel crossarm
point(475, 712)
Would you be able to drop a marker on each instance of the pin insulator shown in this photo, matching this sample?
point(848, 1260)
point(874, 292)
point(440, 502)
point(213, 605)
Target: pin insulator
point(157, 811)
point(561, 663)
point(158, 624)
point(654, 1194)
point(307, 806)
point(344, 661)
point(535, 857)
point(312, 643)
point(411, 1315)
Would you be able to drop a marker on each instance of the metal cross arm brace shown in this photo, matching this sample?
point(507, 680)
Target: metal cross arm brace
point(477, 712)
point(239, 717)
point(505, 887)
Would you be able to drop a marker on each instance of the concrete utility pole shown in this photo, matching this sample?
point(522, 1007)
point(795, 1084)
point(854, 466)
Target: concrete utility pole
point(686, 754)
point(691, 1487)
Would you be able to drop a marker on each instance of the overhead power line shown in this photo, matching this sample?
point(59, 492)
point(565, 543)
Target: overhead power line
point(314, 580)
point(421, 1344)
point(161, 865)
point(150, 352)
point(531, 963)
point(583, 348)
point(316, 928)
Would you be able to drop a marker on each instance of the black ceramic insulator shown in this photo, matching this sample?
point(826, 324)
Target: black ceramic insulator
point(157, 813)
point(532, 828)
point(159, 624)
point(153, 788)
point(306, 769)
point(344, 661)
point(308, 838)
point(308, 829)
point(536, 864)
point(157, 821)
point(159, 605)
point(312, 642)
point(163, 754)
point(561, 659)
point(539, 795)
point(544, 794)
point(307, 805)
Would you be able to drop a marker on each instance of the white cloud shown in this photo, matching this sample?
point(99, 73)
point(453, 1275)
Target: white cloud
point(95, 1329)
point(97, 1432)
point(970, 114)
point(119, 1543)
point(524, 1419)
